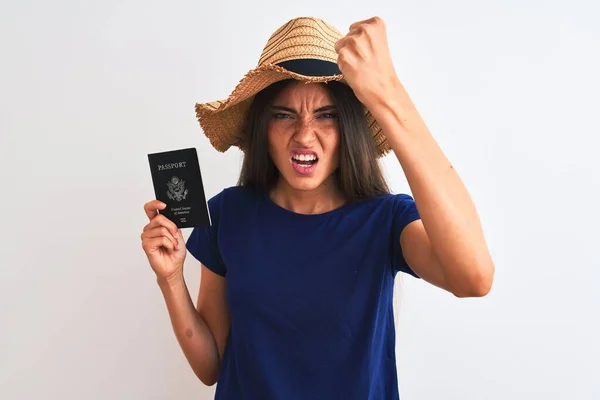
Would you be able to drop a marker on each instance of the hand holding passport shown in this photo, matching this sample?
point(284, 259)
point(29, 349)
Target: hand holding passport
point(178, 183)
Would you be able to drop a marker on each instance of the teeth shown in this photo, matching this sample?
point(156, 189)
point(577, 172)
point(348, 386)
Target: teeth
point(304, 157)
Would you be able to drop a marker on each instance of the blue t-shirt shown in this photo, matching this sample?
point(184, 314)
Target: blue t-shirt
point(309, 296)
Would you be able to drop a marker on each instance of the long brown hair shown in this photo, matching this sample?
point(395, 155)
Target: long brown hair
point(359, 175)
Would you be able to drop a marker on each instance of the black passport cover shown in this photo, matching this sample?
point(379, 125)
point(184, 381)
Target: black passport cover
point(178, 183)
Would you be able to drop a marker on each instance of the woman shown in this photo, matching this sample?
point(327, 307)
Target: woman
point(295, 300)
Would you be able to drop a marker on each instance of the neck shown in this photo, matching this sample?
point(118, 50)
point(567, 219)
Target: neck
point(325, 198)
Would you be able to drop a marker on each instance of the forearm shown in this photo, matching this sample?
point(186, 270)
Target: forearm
point(192, 332)
point(446, 208)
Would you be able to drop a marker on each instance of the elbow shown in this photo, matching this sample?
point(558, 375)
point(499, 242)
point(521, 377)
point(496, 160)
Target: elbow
point(208, 382)
point(475, 291)
point(207, 376)
point(207, 379)
point(479, 285)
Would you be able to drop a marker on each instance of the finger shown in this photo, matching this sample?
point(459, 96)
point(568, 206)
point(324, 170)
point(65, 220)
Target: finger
point(161, 220)
point(349, 41)
point(354, 33)
point(340, 44)
point(357, 24)
point(364, 22)
point(151, 207)
point(179, 238)
point(159, 232)
point(346, 57)
point(151, 245)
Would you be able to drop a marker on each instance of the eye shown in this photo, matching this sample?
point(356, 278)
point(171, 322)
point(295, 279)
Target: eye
point(281, 116)
point(328, 115)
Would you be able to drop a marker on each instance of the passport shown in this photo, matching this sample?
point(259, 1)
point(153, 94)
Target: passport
point(178, 183)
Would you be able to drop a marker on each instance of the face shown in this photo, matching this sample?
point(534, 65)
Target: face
point(303, 135)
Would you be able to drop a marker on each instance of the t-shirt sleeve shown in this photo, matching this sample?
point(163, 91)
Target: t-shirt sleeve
point(405, 211)
point(203, 242)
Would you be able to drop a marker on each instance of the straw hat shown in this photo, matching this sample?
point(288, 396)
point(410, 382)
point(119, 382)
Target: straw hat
point(302, 49)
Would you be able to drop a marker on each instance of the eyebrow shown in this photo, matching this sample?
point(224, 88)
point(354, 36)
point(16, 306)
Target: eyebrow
point(291, 110)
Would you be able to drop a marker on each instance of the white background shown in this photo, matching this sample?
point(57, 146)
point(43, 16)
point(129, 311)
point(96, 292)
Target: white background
point(510, 89)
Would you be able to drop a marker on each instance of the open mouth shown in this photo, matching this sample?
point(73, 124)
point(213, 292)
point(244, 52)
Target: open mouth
point(304, 163)
point(305, 160)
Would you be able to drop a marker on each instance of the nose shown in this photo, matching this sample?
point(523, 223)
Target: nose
point(305, 131)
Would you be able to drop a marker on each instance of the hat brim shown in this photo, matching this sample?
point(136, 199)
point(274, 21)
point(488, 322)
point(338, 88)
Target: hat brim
point(222, 120)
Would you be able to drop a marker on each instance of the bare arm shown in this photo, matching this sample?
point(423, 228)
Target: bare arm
point(201, 331)
point(212, 306)
point(447, 246)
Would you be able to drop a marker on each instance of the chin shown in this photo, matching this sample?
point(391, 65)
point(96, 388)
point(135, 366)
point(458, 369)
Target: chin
point(304, 184)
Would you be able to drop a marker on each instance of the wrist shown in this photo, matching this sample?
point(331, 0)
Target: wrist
point(382, 92)
point(397, 116)
point(172, 281)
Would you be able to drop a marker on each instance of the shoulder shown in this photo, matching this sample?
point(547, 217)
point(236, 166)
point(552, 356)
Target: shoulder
point(389, 201)
point(403, 206)
point(234, 193)
point(227, 204)
point(401, 201)
point(384, 210)
point(233, 197)
point(396, 209)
